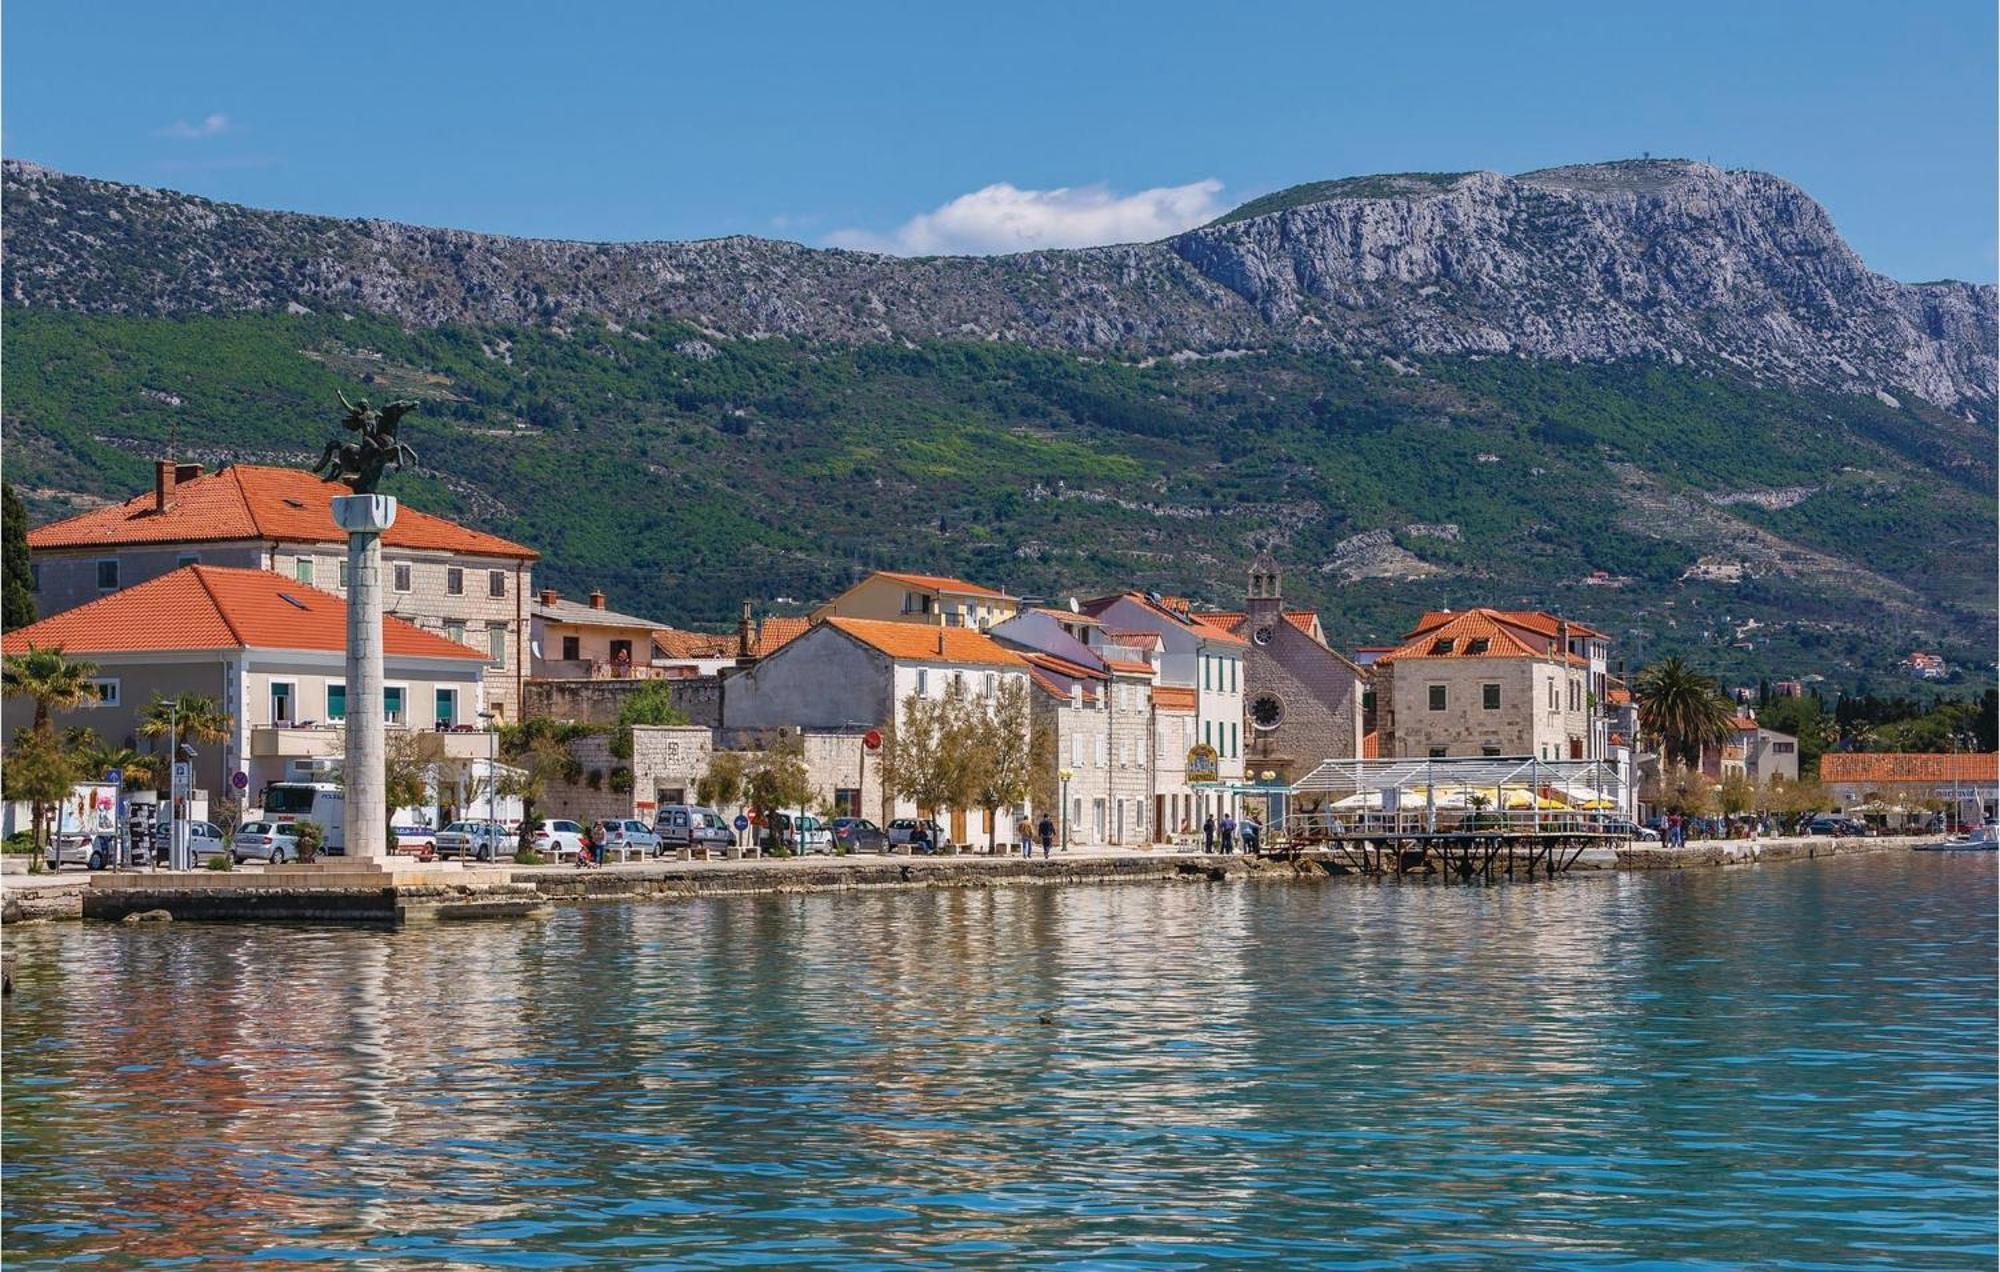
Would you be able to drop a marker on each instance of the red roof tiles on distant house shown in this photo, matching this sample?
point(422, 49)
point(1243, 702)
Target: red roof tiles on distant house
point(1476, 633)
point(943, 583)
point(200, 607)
point(1865, 767)
point(921, 642)
point(249, 501)
point(777, 631)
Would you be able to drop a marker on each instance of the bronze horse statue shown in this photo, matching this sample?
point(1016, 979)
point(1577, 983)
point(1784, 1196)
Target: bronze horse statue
point(359, 463)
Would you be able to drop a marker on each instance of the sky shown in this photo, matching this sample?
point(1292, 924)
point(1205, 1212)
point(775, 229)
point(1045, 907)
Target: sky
point(946, 127)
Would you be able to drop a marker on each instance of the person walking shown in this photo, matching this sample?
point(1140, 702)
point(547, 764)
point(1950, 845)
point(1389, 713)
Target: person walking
point(1048, 829)
point(1024, 831)
point(1250, 830)
point(1228, 829)
point(1208, 833)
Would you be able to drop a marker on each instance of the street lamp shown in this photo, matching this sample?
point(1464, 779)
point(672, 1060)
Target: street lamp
point(492, 774)
point(1065, 775)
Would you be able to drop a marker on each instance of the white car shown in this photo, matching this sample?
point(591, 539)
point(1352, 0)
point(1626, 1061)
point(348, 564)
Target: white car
point(479, 840)
point(275, 842)
point(557, 839)
point(95, 852)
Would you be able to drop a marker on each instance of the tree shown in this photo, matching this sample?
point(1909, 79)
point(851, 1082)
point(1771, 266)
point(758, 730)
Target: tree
point(190, 717)
point(40, 772)
point(1736, 795)
point(1680, 789)
point(1794, 802)
point(17, 575)
point(538, 747)
point(652, 704)
point(778, 780)
point(922, 758)
point(1683, 709)
point(406, 776)
point(55, 684)
point(722, 784)
point(94, 758)
point(1007, 755)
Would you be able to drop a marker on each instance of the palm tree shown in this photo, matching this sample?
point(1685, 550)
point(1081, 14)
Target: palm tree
point(1684, 709)
point(56, 684)
point(192, 717)
point(96, 757)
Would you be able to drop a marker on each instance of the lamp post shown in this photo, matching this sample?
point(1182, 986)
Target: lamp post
point(487, 718)
point(1265, 779)
point(1065, 775)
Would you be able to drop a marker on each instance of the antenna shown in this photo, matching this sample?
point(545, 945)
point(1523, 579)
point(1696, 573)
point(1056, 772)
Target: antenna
point(1074, 608)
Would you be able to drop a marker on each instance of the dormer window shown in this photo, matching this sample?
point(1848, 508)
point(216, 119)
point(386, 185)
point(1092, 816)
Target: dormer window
point(1478, 645)
point(1442, 647)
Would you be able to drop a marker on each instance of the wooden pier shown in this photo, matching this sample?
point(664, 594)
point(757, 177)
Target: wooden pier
point(1453, 855)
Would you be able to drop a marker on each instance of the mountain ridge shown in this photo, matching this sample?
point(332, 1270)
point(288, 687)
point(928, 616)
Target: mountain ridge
point(1653, 259)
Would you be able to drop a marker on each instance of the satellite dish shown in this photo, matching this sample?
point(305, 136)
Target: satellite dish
point(1074, 608)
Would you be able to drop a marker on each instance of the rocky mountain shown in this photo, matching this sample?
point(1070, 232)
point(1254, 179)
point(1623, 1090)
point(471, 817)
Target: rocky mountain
point(1656, 259)
point(1661, 397)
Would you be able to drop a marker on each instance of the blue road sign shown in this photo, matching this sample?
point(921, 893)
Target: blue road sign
point(742, 822)
point(239, 779)
point(115, 777)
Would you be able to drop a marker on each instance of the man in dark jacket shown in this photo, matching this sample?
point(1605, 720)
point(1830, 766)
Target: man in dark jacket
point(1048, 832)
point(1208, 833)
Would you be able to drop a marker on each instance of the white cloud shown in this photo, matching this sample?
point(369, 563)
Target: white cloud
point(1005, 218)
point(213, 124)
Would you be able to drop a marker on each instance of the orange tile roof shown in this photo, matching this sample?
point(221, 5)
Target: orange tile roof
point(1128, 667)
point(1531, 620)
point(1301, 619)
point(943, 583)
point(1066, 616)
point(1618, 697)
point(1909, 766)
point(921, 642)
point(249, 501)
point(1174, 697)
point(1061, 666)
point(775, 632)
point(1463, 628)
point(675, 643)
point(212, 607)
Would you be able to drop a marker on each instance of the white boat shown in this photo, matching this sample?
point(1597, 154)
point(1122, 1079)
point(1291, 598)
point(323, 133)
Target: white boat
point(1985, 839)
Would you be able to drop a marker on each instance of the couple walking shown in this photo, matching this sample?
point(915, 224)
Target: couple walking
point(1028, 831)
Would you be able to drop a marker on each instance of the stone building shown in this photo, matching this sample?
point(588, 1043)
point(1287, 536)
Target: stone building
point(921, 598)
point(1302, 700)
point(1491, 682)
point(464, 585)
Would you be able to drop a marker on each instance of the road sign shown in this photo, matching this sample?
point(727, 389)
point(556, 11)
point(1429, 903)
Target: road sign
point(183, 775)
point(240, 780)
point(742, 822)
point(872, 739)
point(114, 777)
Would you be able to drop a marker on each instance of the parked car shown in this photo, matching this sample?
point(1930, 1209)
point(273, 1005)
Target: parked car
point(858, 834)
point(556, 838)
point(810, 834)
point(416, 841)
point(478, 840)
point(275, 842)
point(1631, 830)
point(95, 852)
point(623, 835)
point(1832, 824)
point(904, 829)
point(692, 827)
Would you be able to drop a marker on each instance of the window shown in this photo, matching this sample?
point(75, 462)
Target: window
point(923, 682)
point(1208, 733)
point(1437, 697)
point(1103, 751)
point(496, 582)
point(302, 570)
point(1235, 739)
point(104, 692)
point(402, 576)
point(1267, 711)
point(1489, 750)
point(1437, 752)
point(454, 629)
point(1204, 673)
point(496, 643)
point(1441, 647)
point(1076, 750)
point(1478, 645)
point(343, 575)
point(35, 575)
point(847, 800)
point(107, 576)
point(621, 651)
point(336, 701)
point(454, 580)
point(573, 650)
point(392, 703)
point(447, 706)
point(992, 684)
point(1232, 675)
point(1782, 748)
point(1489, 697)
point(284, 695)
point(1554, 701)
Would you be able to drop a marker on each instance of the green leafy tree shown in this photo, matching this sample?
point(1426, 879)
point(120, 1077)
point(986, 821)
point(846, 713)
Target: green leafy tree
point(54, 683)
point(1683, 709)
point(538, 749)
point(1008, 754)
point(17, 576)
point(1735, 795)
point(652, 703)
point(96, 758)
point(722, 784)
point(918, 763)
point(777, 782)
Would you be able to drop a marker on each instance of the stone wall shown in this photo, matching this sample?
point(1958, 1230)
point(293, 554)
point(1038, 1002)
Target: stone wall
point(699, 698)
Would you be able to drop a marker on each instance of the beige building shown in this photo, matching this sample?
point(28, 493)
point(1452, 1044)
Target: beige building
point(466, 586)
point(1479, 684)
point(572, 641)
point(921, 598)
point(272, 653)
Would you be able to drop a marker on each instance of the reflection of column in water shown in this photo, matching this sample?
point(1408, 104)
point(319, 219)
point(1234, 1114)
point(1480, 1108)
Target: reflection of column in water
point(374, 1075)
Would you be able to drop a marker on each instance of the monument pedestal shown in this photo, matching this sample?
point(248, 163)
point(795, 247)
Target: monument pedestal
point(365, 517)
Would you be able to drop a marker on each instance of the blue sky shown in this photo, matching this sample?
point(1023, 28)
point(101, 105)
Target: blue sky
point(962, 127)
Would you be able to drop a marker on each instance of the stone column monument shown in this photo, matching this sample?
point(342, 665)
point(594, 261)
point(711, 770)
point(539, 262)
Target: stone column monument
point(365, 515)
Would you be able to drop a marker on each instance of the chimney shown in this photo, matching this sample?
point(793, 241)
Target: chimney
point(549, 597)
point(746, 633)
point(165, 474)
point(596, 599)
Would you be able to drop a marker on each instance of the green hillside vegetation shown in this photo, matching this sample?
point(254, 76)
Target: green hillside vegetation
point(681, 472)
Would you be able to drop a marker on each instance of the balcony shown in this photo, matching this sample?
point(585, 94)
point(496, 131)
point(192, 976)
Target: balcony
point(599, 669)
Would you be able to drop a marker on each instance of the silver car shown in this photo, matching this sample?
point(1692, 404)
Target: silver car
point(624, 836)
point(275, 842)
point(478, 840)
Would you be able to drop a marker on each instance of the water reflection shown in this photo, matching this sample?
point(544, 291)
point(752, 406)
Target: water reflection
point(1784, 1065)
